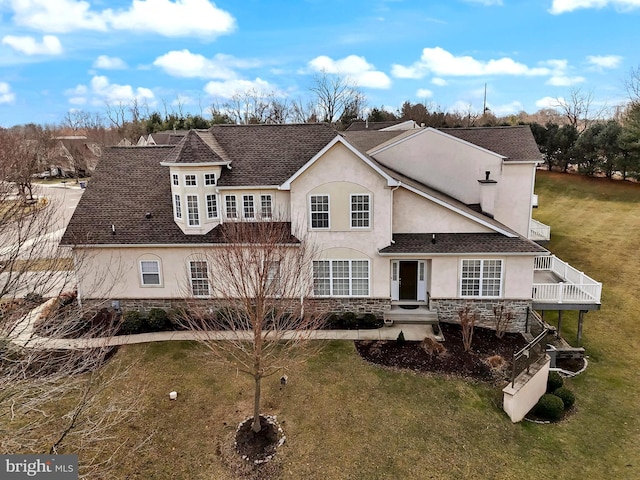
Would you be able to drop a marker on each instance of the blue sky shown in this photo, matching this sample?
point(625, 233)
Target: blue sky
point(60, 55)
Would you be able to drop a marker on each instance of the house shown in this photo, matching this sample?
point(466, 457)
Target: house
point(416, 222)
point(73, 155)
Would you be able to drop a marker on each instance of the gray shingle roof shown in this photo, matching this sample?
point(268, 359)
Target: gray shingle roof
point(515, 143)
point(364, 126)
point(459, 243)
point(365, 140)
point(192, 149)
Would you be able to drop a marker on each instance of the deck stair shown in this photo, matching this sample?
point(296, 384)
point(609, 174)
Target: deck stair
point(417, 314)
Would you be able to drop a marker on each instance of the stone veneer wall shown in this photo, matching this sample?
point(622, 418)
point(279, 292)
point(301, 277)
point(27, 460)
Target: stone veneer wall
point(448, 309)
point(376, 306)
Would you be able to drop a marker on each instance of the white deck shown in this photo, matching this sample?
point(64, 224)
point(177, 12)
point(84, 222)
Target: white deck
point(557, 282)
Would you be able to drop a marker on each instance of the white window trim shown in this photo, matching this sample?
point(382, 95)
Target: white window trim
point(328, 227)
point(244, 211)
point(482, 260)
point(215, 179)
point(177, 206)
point(175, 179)
point(226, 206)
point(217, 206)
point(188, 221)
point(262, 215)
point(191, 278)
point(195, 177)
point(350, 260)
point(368, 227)
point(159, 272)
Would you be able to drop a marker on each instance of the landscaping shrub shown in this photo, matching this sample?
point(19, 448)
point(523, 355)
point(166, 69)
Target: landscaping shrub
point(567, 397)
point(349, 320)
point(430, 346)
point(333, 321)
point(549, 407)
point(400, 338)
point(496, 361)
point(554, 382)
point(157, 320)
point(33, 298)
point(132, 323)
point(369, 320)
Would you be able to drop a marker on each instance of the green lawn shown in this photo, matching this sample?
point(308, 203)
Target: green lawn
point(345, 419)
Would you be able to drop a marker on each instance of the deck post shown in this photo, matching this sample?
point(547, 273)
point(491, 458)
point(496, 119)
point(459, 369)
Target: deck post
point(580, 320)
point(559, 323)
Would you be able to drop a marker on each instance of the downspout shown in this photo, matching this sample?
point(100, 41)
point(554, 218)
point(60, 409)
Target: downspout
point(391, 214)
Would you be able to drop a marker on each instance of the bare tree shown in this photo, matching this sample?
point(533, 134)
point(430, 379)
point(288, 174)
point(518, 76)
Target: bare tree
point(333, 94)
point(262, 275)
point(578, 109)
point(632, 85)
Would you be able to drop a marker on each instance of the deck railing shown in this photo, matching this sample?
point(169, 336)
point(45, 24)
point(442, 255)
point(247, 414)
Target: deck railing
point(539, 231)
point(574, 285)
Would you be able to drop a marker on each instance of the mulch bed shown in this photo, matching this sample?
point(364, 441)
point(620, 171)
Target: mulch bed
point(455, 361)
point(258, 446)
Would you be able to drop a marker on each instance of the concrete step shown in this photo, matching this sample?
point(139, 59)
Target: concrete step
point(418, 316)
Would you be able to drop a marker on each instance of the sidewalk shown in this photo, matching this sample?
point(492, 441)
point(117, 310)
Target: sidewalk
point(24, 335)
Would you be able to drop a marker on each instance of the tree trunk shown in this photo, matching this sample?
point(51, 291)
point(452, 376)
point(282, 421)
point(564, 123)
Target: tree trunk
point(256, 406)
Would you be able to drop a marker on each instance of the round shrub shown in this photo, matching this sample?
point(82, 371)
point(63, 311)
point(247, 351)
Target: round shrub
point(549, 407)
point(567, 397)
point(333, 321)
point(349, 320)
point(132, 323)
point(157, 319)
point(369, 320)
point(554, 382)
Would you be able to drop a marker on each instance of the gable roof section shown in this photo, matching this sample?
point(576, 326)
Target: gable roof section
point(192, 149)
point(268, 154)
point(516, 143)
point(286, 185)
point(372, 126)
point(366, 140)
point(460, 243)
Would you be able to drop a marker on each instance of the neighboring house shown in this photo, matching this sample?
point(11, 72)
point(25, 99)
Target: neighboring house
point(426, 218)
point(389, 125)
point(74, 155)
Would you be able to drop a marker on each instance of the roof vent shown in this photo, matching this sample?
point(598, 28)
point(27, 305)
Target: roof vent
point(148, 215)
point(433, 238)
point(113, 229)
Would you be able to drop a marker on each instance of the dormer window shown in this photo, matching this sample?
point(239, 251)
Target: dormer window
point(209, 179)
point(176, 180)
point(190, 181)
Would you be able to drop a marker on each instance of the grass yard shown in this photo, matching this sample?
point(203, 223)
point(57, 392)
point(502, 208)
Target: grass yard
point(345, 419)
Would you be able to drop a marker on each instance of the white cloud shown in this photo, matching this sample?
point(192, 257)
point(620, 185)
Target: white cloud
point(6, 95)
point(424, 93)
point(228, 88)
point(100, 92)
point(549, 102)
point(563, 6)
point(506, 109)
point(601, 62)
point(166, 17)
point(174, 19)
point(564, 81)
point(441, 82)
point(442, 63)
point(354, 68)
point(106, 62)
point(185, 64)
point(50, 45)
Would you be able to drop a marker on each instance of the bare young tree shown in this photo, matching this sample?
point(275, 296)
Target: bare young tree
point(578, 109)
point(333, 94)
point(261, 274)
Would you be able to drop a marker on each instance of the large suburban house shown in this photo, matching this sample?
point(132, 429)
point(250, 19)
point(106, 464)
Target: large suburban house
point(416, 221)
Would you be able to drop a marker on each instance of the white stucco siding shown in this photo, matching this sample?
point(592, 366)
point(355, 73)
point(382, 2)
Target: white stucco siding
point(514, 196)
point(517, 277)
point(415, 214)
point(444, 163)
point(339, 173)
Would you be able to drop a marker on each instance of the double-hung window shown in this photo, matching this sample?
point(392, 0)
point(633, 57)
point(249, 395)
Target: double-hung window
point(209, 179)
point(175, 179)
point(190, 180)
point(266, 209)
point(199, 278)
point(341, 278)
point(212, 206)
point(150, 272)
point(177, 205)
point(481, 278)
point(193, 213)
point(360, 211)
point(231, 206)
point(319, 211)
point(249, 209)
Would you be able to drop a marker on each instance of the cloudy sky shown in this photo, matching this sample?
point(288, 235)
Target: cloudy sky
point(60, 55)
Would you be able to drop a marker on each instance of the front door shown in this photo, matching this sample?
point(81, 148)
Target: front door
point(409, 280)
